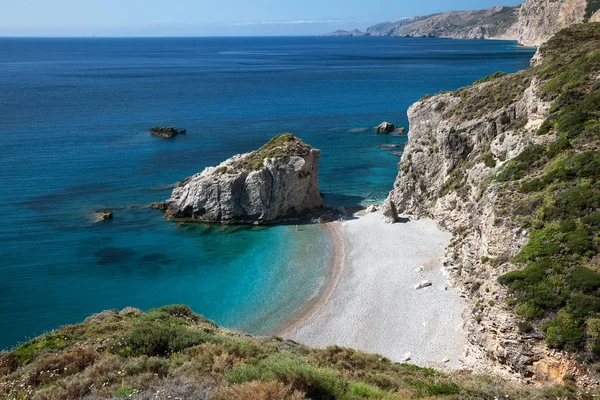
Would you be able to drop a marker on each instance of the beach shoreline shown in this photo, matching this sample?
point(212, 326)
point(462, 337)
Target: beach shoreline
point(326, 290)
point(370, 303)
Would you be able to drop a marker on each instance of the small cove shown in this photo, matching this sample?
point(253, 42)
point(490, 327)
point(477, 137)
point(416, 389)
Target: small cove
point(76, 115)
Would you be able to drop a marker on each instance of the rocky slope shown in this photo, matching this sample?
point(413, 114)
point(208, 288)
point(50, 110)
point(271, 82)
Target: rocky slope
point(494, 23)
point(532, 23)
point(276, 182)
point(470, 162)
point(172, 353)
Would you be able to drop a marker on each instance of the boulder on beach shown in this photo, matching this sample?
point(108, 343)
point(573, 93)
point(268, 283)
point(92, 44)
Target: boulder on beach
point(385, 127)
point(389, 211)
point(277, 182)
point(105, 215)
point(423, 285)
point(166, 132)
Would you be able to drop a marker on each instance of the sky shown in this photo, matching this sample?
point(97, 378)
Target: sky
point(212, 18)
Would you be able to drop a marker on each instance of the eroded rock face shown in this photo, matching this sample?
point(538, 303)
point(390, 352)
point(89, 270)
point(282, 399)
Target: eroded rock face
point(276, 182)
point(532, 23)
point(446, 173)
point(540, 19)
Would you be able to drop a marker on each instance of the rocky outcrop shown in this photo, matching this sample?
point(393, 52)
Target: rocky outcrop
point(385, 127)
point(342, 33)
point(540, 19)
point(494, 23)
point(532, 23)
point(166, 132)
point(105, 215)
point(276, 182)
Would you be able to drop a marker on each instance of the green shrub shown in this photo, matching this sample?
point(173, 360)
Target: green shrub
point(25, 353)
point(124, 392)
point(490, 78)
point(317, 383)
point(489, 160)
point(443, 389)
point(362, 390)
point(517, 167)
point(158, 341)
point(181, 311)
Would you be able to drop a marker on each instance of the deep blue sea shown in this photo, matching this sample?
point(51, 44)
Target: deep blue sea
point(74, 121)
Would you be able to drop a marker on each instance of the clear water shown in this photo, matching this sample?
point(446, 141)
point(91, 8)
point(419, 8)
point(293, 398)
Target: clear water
point(75, 118)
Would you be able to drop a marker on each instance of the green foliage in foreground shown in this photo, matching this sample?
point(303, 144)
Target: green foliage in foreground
point(560, 283)
point(177, 353)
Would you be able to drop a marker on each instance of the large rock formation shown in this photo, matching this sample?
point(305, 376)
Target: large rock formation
point(479, 24)
point(540, 19)
point(458, 145)
point(276, 182)
point(531, 24)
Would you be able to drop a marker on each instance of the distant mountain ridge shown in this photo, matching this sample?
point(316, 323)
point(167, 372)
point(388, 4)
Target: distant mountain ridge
point(531, 23)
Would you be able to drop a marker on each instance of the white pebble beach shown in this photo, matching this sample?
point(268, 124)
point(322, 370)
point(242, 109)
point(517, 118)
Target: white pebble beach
point(371, 303)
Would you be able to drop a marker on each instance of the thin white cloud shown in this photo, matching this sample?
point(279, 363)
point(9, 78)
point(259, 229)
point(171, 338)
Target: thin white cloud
point(298, 22)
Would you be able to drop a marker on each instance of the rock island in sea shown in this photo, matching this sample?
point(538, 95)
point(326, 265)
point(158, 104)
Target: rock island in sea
point(274, 183)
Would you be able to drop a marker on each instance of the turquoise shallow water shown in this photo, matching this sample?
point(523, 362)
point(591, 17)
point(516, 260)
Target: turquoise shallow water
point(75, 118)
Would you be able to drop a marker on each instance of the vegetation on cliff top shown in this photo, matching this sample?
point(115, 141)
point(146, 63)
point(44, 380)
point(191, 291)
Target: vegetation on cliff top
point(284, 145)
point(173, 353)
point(560, 202)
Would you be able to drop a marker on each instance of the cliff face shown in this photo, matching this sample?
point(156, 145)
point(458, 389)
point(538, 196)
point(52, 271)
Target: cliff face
point(469, 161)
point(534, 22)
point(276, 182)
point(540, 19)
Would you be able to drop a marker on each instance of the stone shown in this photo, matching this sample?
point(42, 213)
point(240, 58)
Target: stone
point(423, 285)
point(160, 205)
point(104, 215)
point(371, 209)
point(166, 132)
point(278, 182)
point(398, 153)
point(323, 219)
point(389, 212)
point(385, 127)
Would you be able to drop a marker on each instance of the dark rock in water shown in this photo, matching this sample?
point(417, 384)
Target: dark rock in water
point(160, 205)
point(399, 132)
point(385, 127)
point(166, 132)
point(389, 146)
point(398, 153)
point(104, 215)
point(277, 182)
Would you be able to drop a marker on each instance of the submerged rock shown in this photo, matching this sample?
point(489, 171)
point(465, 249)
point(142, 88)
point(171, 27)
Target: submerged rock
point(104, 215)
point(276, 182)
point(166, 132)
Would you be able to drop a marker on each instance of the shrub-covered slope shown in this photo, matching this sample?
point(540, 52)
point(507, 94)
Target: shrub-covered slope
point(173, 353)
point(511, 165)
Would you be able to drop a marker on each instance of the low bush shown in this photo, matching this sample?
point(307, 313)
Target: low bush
point(158, 341)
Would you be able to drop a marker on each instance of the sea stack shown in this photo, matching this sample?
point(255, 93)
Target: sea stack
point(274, 183)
